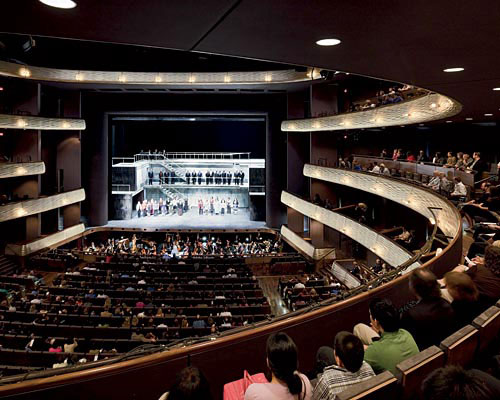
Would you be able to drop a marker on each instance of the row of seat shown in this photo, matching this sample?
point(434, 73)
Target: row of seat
point(461, 348)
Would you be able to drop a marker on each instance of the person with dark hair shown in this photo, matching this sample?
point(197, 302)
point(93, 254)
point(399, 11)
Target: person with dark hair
point(286, 383)
point(350, 369)
point(432, 319)
point(190, 384)
point(455, 383)
point(485, 273)
point(465, 297)
point(387, 344)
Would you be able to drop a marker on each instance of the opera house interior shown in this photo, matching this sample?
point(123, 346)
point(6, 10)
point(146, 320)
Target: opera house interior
point(235, 199)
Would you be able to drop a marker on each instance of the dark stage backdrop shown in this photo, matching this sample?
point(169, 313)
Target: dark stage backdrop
point(205, 134)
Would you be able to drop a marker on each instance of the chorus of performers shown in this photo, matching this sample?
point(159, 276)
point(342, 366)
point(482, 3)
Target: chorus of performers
point(197, 177)
point(178, 206)
point(175, 245)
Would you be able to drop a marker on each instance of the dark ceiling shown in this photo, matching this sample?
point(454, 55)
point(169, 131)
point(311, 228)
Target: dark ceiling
point(405, 41)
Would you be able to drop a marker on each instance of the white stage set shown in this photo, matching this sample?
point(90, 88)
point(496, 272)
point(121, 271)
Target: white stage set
point(188, 190)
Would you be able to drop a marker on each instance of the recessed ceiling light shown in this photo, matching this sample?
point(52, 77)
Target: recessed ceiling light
point(449, 122)
point(59, 3)
point(454, 69)
point(488, 115)
point(496, 88)
point(1, 88)
point(328, 42)
point(468, 119)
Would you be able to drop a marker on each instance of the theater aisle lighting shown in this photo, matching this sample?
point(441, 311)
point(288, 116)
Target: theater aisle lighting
point(488, 115)
point(66, 4)
point(453, 69)
point(496, 89)
point(449, 122)
point(328, 42)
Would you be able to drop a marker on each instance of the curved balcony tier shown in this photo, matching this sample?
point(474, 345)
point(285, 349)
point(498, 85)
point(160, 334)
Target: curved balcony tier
point(380, 245)
point(8, 121)
point(422, 109)
point(435, 208)
point(12, 170)
point(34, 206)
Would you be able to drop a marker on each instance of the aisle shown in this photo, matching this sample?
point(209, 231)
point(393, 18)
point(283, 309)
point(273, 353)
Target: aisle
point(269, 286)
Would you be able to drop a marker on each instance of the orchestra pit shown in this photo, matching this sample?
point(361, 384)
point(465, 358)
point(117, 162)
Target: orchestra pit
point(249, 200)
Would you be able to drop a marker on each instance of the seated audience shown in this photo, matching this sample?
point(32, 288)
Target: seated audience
point(432, 319)
point(454, 383)
point(465, 297)
point(387, 344)
point(459, 190)
point(190, 384)
point(350, 369)
point(286, 382)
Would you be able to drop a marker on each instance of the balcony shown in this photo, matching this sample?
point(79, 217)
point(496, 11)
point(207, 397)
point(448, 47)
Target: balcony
point(12, 170)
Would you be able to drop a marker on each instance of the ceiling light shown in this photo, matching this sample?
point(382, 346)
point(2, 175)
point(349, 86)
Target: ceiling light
point(79, 76)
point(268, 78)
point(454, 69)
point(158, 79)
point(192, 79)
point(1, 133)
point(328, 42)
point(433, 105)
point(496, 88)
point(449, 122)
point(59, 3)
point(468, 119)
point(122, 78)
point(1, 88)
point(25, 72)
point(488, 115)
point(227, 79)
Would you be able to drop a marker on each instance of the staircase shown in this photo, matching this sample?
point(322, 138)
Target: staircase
point(171, 193)
point(7, 267)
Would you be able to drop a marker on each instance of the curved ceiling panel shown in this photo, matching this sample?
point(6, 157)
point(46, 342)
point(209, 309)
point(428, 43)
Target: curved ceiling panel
point(381, 246)
point(432, 206)
point(8, 121)
point(422, 109)
point(158, 78)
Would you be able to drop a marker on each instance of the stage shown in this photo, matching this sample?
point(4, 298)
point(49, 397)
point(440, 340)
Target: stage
point(191, 220)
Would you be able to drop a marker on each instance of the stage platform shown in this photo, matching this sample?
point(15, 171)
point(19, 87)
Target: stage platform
point(191, 220)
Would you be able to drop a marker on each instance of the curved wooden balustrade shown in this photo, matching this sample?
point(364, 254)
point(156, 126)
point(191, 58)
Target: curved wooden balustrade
point(224, 359)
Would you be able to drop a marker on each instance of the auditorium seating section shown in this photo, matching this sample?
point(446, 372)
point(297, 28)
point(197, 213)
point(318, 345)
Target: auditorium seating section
point(72, 306)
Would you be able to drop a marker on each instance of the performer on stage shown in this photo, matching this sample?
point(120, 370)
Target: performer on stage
point(236, 178)
point(242, 174)
point(199, 177)
point(167, 177)
point(229, 176)
point(228, 205)
point(235, 206)
point(193, 177)
point(223, 177)
point(207, 178)
point(200, 207)
point(138, 209)
point(150, 176)
point(160, 176)
point(188, 177)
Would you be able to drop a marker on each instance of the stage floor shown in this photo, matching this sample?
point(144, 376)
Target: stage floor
point(191, 220)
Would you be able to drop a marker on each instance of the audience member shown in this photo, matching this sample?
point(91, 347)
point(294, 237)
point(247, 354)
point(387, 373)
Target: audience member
point(387, 344)
point(454, 383)
point(432, 319)
point(350, 368)
point(190, 384)
point(465, 297)
point(286, 382)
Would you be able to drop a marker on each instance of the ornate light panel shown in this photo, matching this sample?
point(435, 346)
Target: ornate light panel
point(8, 121)
point(43, 243)
point(158, 78)
point(432, 206)
point(383, 247)
point(12, 170)
point(29, 207)
point(426, 108)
